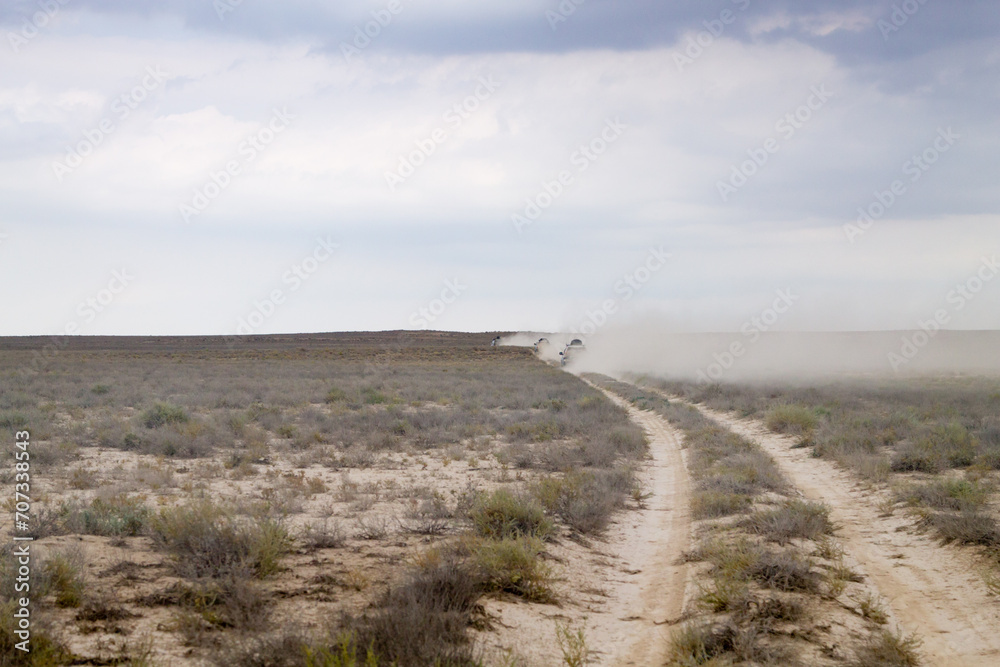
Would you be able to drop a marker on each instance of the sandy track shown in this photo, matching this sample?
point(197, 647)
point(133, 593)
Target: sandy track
point(934, 591)
point(628, 588)
point(653, 600)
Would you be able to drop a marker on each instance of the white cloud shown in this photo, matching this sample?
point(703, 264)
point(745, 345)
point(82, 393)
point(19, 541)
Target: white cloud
point(656, 184)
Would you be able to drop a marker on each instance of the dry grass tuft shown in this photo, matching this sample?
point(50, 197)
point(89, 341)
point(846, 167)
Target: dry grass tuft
point(206, 540)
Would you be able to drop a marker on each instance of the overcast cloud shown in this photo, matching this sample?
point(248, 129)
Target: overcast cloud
point(182, 165)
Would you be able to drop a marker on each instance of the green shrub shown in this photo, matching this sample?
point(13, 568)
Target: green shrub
point(743, 560)
point(116, 517)
point(13, 421)
point(887, 649)
point(966, 527)
point(718, 644)
point(794, 519)
point(423, 620)
point(46, 650)
point(745, 472)
point(543, 431)
point(205, 540)
point(917, 457)
point(710, 504)
point(162, 414)
point(372, 396)
point(512, 565)
point(629, 442)
point(946, 446)
point(791, 419)
point(336, 395)
point(64, 578)
point(344, 653)
point(502, 515)
point(958, 446)
point(947, 494)
point(586, 500)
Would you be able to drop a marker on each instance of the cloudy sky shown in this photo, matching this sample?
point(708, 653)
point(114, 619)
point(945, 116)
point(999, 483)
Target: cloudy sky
point(199, 167)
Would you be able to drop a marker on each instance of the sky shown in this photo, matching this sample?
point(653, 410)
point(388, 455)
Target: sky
point(245, 167)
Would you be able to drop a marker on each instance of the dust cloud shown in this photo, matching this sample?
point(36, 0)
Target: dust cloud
point(549, 344)
point(797, 356)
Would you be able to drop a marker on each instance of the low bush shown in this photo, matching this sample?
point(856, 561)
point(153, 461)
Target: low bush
point(792, 419)
point(421, 621)
point(784, 571)
point(62, 574)
point(966, 527)
point(116, 517)
point(917, 457)
point(373, 396)
point(513, 566)
point(229, 602)
point(14, 421)
point(794, 519)
point(887, 649)
point(717, 644)
point(46, 649)
point(207, 541)
point(945, 446)
point(709, 504)
point(752, 472)
point(947, 494)
point(324, 535)
point(586, 500)
point(744, 560)
point(162, 414)
point(502, 515)
point(336, 395)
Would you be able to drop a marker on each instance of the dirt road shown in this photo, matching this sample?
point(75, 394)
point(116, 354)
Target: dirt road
point(652, 543)
point(934, 591)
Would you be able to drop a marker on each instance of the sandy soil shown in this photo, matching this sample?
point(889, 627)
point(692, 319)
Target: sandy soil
point(657, 595)
point(627, 590)
point(932, 590)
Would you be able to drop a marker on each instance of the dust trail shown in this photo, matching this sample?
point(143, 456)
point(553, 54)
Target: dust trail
point(548, 345)
point(803, 356)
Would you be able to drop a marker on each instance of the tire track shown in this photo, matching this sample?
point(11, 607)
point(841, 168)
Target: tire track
point(662, 540)
point(934, 591)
